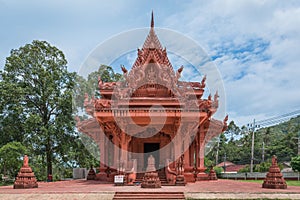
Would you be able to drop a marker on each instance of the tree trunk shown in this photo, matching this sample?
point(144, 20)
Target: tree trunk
point(4, 170)
point(49, 157)
point(49, 163)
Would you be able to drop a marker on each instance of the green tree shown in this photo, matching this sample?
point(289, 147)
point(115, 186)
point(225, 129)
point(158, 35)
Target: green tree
point(90, 85)
point(11, 155)
point(38, 99)
point(295, 163)
point(106, 73)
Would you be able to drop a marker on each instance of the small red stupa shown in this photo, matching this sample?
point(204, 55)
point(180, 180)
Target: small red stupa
point(26, 178)
point(274, 178)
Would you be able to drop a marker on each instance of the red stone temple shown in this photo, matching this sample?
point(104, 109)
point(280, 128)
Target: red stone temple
point(152, 113)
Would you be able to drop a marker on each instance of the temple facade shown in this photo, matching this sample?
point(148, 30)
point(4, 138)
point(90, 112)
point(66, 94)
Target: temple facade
point(151, 112)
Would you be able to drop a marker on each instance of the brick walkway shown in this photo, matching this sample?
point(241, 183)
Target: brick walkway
point(81, 189)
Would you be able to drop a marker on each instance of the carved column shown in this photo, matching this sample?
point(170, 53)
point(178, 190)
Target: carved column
point(201, 151)
point(116, 147)
point(103, 150)
point(124, 142)
point(186, 155)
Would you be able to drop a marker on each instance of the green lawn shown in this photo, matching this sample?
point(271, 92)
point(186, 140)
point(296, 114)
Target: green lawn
point(288, 182)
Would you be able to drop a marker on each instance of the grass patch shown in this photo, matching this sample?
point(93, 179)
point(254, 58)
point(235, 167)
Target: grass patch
point(288, 182)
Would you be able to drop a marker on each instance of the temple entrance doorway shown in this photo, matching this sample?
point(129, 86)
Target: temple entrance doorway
point(151, 149)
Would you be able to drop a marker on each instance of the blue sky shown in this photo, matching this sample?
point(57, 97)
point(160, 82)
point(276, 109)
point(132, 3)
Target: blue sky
point(254, 43)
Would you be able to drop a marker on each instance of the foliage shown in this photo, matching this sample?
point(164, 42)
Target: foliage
point(207, 163)
point(279, 140)
point(218, 170)
point(36, 108)
point(263, 167)
point(11, 158)
point(38, 99)
point(90, 85)
point(295, 163)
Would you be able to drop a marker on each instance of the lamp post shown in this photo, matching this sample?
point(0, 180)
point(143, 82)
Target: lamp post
point(225, 162)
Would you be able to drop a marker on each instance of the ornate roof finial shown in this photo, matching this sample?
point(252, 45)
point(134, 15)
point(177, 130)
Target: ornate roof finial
point(152, 20)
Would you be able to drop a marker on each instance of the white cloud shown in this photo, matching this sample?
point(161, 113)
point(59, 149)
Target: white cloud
point(255, 43)
point(263, 79)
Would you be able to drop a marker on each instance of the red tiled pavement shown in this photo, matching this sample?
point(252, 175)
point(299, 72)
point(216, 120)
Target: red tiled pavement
point(223, 188)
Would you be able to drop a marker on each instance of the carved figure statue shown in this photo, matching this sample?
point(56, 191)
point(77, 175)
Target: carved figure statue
point(225, 119)
point(151, 75)
point(180, 165)
point(151, 163)
point(124, 70)
point(25, 161)
point(216, 96)
point(203, 81)
point(209, 97)
point(151, 160)
point(178, 73)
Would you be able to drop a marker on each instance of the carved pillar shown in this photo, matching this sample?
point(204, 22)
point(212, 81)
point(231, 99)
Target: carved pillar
point(177, 147)
point(103, 151)
point(201, 150)
point(197, 147)
point(116, 145)
point(192, 154)
point(201, 156)
point(124, 143)
point(186, 154)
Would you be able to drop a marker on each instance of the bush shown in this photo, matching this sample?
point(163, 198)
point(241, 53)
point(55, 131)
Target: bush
point(245, 169)
point(218, 170)
point(295, 163)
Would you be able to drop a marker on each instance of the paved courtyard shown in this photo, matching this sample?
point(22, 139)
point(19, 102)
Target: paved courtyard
point(82, 189)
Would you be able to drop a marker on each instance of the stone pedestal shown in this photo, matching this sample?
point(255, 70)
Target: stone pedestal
point(25, 178)
point(92, 174)
point(151, 180)
point(274, 178)
point(180, 180)
point(202, 176)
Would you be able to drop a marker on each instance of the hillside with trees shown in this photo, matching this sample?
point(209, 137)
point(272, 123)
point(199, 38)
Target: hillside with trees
point(235, 144)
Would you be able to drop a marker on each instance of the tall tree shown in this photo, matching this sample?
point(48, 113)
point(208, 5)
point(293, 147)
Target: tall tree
point(38, 99)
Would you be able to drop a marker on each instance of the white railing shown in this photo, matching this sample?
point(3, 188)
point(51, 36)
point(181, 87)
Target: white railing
point(258, 175)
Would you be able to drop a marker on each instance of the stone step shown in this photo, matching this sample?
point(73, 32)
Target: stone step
point(161, 174)
point(149, 195)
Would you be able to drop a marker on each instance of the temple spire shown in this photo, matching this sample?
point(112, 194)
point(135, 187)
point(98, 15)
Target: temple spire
point(152, 20)
point(152, 40)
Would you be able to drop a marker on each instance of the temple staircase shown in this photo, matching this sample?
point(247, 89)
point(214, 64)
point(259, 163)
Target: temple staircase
point(149, 195)
point(161, 175)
